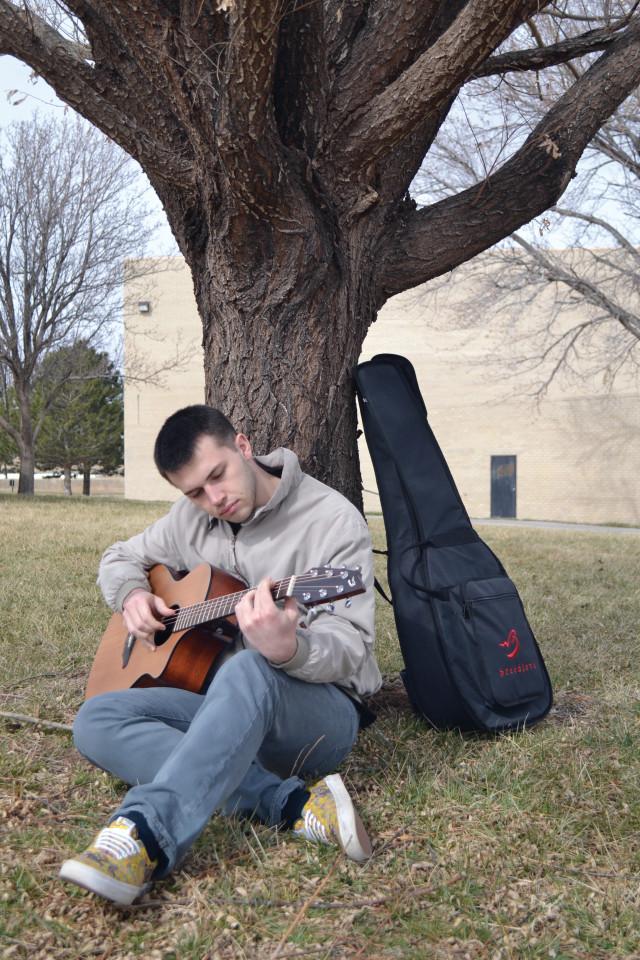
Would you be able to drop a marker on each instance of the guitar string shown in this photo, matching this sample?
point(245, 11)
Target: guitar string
point(216, 605)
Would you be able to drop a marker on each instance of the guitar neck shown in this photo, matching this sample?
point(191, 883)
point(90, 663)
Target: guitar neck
point(219, 607)
point(319, 585)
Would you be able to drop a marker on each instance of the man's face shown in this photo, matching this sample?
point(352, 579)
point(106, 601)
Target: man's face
point(220, 479)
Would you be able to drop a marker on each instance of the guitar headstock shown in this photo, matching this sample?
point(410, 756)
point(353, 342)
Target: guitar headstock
point(322, 585)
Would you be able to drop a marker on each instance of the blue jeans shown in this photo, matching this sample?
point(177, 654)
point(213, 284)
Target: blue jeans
point(242, 747)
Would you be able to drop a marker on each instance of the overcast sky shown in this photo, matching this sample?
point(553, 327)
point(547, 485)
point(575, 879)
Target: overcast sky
point(21, 95)
point(35, 93)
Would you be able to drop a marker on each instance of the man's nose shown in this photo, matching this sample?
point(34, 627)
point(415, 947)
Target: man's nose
point(214, 494)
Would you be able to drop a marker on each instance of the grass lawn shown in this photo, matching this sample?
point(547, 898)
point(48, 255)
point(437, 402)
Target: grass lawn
point(521, 846)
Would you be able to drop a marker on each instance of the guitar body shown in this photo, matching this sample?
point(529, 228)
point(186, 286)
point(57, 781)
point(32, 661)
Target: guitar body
point(182, 658)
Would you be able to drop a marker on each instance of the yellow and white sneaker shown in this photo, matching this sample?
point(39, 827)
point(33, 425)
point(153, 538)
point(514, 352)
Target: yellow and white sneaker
point(329, 816)
point(115, 866)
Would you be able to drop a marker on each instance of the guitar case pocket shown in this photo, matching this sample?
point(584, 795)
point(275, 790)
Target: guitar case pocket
point(489, 645)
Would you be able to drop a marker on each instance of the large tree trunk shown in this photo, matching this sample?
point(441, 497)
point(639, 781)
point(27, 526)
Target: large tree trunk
point(287, 379)
point(86, 480)
point(26, 484)
point(66, 483)
point(292, 387)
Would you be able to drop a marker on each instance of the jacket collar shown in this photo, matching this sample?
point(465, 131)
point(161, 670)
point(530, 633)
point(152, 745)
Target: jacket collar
point(283, 461)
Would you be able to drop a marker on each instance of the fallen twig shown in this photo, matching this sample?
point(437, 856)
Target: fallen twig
point(43, 676)
point(303, 909)
point(23, 718)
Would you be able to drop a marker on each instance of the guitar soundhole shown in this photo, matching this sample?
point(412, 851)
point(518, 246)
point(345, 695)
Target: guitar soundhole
point(163, 635)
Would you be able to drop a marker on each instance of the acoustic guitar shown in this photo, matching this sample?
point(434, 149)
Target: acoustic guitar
point(202, 626)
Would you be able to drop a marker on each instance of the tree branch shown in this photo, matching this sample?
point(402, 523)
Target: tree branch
point(610, 149)
point(53, 57)
point(343, 22)
point(37, 721)
point(258, 175)
point(38, 24)
point(591, 292)
point(386, 46)
point(245, 114)
point(253, 169)
point(429, 82)
point(538, 58)
point(389, 40)
point(427, 243)
point(604, 224)
point(174, 58)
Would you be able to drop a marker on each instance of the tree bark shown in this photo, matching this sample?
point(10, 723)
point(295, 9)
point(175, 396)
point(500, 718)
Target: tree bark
point(66, 483)
point(26, 443)
point(86, 480)
point(26, 484)
point(287, 379)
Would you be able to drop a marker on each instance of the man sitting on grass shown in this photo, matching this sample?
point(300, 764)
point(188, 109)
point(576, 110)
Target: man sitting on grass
point(285, 707)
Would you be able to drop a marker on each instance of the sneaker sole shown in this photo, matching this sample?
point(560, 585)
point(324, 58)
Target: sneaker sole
point(353, 836)
point(101, 883)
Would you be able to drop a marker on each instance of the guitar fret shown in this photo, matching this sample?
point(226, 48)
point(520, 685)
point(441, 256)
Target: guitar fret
point(219, 607)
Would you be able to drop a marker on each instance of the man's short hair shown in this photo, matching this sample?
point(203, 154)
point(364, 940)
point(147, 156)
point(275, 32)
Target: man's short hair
point(175, 444)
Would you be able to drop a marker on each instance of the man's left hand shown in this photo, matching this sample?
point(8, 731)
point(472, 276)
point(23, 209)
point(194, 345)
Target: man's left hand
point(267, 627)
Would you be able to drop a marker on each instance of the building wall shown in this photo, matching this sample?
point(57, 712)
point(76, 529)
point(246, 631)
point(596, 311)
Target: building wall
point(168, 336)
point(578, 451)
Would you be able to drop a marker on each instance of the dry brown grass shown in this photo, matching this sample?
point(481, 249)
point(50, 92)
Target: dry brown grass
point(486, 848)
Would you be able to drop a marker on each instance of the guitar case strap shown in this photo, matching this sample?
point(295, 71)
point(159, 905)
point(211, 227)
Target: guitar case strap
point(471, 659)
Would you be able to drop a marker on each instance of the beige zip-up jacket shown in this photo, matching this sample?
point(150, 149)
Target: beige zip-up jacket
point(305, 524)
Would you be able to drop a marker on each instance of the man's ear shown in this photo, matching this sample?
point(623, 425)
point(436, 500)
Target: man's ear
point(243, 446)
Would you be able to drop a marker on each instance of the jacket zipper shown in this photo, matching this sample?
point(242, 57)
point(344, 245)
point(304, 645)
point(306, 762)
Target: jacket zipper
point(233, 553)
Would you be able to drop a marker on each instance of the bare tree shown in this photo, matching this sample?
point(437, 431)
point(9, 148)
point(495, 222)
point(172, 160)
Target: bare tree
point(282, 138)
point(582, 257)
point(66, 221)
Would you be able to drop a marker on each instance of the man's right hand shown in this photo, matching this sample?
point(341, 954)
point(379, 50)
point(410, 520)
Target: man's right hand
point(141, 612)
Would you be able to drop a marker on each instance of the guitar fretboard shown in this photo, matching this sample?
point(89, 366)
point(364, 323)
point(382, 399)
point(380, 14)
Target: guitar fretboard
point(219, 607)
point(319, 585)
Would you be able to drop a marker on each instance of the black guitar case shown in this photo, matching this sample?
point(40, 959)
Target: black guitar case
point(471, 659)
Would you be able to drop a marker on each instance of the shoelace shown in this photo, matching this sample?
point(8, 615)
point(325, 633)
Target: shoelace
point(117, 843)
point(315, 827)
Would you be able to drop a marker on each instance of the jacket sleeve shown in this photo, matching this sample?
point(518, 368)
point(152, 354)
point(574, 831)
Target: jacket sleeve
point(335, 641)
point(125, 564)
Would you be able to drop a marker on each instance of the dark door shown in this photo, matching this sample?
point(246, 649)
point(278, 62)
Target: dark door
point(503, 486)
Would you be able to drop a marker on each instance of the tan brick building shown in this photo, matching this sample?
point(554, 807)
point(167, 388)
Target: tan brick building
point(574, 456)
